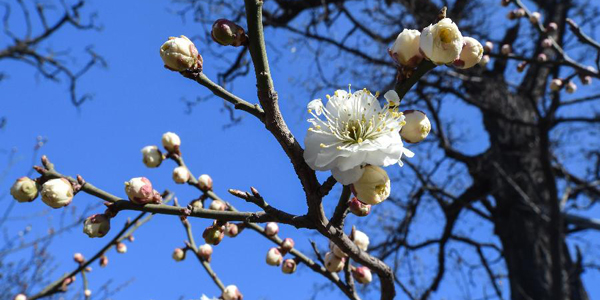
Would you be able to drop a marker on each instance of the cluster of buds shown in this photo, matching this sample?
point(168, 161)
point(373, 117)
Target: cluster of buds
point(336, 258)
point(139, 190)
point(24, 190)
point(178, 254)
point(227, 33)
point(181, 175)
point(205, 251)
point(151, 156)
point(180, 54)
point(214, 234)
point(373, 187)
point(231, 292)
point(96, 225)
point(275, 256)
point(441, 43)
point(57, 193)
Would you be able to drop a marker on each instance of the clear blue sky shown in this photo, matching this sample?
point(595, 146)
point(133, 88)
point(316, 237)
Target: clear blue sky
point(136, 100)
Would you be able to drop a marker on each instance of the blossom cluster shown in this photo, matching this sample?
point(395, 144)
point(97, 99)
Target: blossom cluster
point(336, 259)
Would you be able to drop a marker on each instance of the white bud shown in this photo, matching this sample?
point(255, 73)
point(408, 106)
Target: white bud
point(139, 190)
point(121, 248)
point(78, 258)
point(205, 182)
point(571, 87)
point(287, 245)
point(362, 275)
point(274, 257)
point(57, 193)
point(103, 261)
point(231, 230)
point(547, 43)
point(20, 297)
point(289, 266)
point(551, 27)
point(171, 142)
point(217, 205)
point(406, 48)
point(181, 175)
point(96, 225)
point(542, 57)
point(178, 254)
point(271, 229)
point(488, 47)
point(336, 250)
point(205, 252)
point(24, 190)
point(373, 186)
point(535, 17)
point(470, 54)
point(152, 157)
point(87, 293)
point(556, 84)
point(417, 126)
point(519, 12)
point(333, 263)
point(506, 49)
point(179, 54)
point(484, 60)
point(231, 292)
point(441, 43)
point(361, 240)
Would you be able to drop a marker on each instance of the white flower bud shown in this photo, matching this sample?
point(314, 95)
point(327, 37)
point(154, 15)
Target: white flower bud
point(218, 205)
point(405, 50)
point(87, 293)
point(205, 252)
point(488, 47)
point(274, 257)
point(152, 157)
point(205, 182)
point(441, 43)
point(271, 229)
point(417, 126)
point(506, 49)
point(197, 204)
point(179, 54)
point(571, 87)
point(519, 12)
point(121, 248)
point(361, 240)
point(178, 254)
point(534, 18)
point(287, 245)
point(231, 230)
point(551, 27)
point(362, 275)
point(181, 175)
point(103, 261)
point(556, 84)
point(333, 263)
point(57, 193)
point(289, 266)
point(171, 142)
point(213, 234)
point(20, 297)
point(521, 66)
point(231, 292)
point(139, 190)
point(336, 250)
point(24, 190)
point(373, 186)
point(96, 225)
point(542, 57)
point(484, 60)
point(78, 258)
point(470, 54)
point(547, 43)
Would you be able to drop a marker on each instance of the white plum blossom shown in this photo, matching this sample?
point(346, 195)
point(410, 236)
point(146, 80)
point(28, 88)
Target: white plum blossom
point(152, 157)
point(351, 131)
point(405, 50)
point(24, 190)
point(373, 187)
point(470, 55)
point(57, 193)
point(441, 42)
point(179, 54)
point(96, 225)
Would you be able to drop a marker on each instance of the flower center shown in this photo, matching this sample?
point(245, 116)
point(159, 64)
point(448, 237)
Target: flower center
point(446, 35)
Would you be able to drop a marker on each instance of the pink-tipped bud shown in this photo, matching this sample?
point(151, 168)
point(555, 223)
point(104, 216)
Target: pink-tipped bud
point(213, 234)
point(178, 254)
point(231, 230)
point(289, 266)
point(78, 258)
point(274, 257)
point(547, 43)
point(121, 248)
point(103, 261)
point(57, 193)
point(287, 245)
point(336, 250)
point(218, 205)
point(139, 190)
point(551, 27)
point(205, 252)
point(488, 47)
point(181, 175)
point(556, 84)
point(87, 293)
point(205, 183)
point(334, 263)
point(171, 142)
point(271, 229)
point(521, 66)
point(24, 190)
point(542, 57)
point(571, 87)
point(130, 238)
point(534, 18)
point(358, 208)
point(231, 292)
point(506, 49)
point(20, 297)
point(96, 225)
point(227, 33)
point(362, 275)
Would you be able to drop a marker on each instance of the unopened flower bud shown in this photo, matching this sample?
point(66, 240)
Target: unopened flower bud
point(152, 157)
point(130, 238)
point(470, 54)
point(121, 248)
point(20, 297)
point(289, 266)
point(547, 43)
point(227, 33)
point(519, 12)
point(181, 175)
point(24, 190)
point(571, 87)
point(488, 47)
point(358, 208)
point(521, 66)
point(179, 54)
point(205, 252)
point(139, 190)
point(505, 2)
point(213, 234)
point(405, 50)
point(333, 263)
point(218, 205)
point(542, 57)
point(197, 204)
point(556, 84)
point(534, 18)
point(231, 292)
point(585, 80)
point(231, 230)
point(103, 261)
point(506, 49)
point(57, 193)
point(87, 293)
point(274, 257)
point(417, 126)
point(484, 60)
point(271, 229)
point(441, 42)
point(96, 225)
point(178, 254)
point(551, 27)
point(373, 187)
point(362, 275)
point(336, 250)
point(88, 269)
point(78, 258)
point(205, 182)
point(361, 240)
point(171, 142)
point(287, 245)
